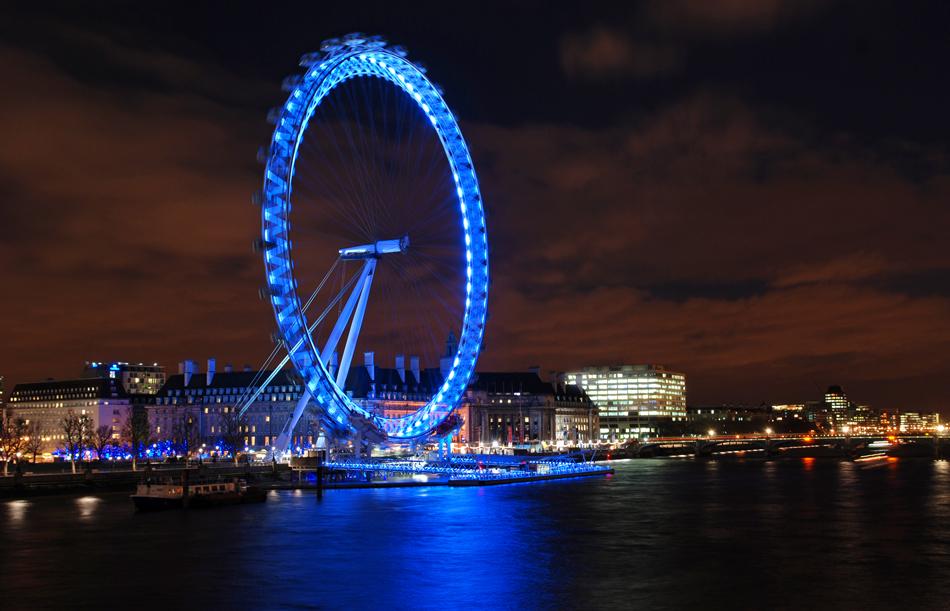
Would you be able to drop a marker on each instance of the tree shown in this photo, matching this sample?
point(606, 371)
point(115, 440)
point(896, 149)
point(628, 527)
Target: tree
point(76, 429)
point(137, 433)
point(101, 439)
point(185, 434)
point(34, 441)
point(232, 431)
point(12, 431)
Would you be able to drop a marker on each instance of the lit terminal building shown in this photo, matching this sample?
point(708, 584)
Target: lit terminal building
point(632, 399)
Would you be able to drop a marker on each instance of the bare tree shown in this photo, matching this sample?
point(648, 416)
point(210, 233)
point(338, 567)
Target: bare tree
point(101, 439)
point(34, 441)
point(137, 433)
point(76, 430)
point(233, 428)
point(185, 434)
point(12, 430)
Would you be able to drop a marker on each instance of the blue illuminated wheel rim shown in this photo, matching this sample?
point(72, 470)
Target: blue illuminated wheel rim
point(358, 56)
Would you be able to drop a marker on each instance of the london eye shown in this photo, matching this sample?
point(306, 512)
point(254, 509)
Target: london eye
point(386, 251)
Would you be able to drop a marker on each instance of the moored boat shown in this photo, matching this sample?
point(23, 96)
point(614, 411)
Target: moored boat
point(157, 496)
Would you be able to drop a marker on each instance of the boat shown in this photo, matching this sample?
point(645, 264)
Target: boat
point(151, 496)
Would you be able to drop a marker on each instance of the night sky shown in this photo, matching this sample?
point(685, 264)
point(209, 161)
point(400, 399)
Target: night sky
point(754, 192)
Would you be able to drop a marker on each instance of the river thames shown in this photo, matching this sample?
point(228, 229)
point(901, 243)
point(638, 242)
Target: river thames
point(659, 534)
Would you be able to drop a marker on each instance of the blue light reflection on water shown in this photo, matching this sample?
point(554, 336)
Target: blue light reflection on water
point(661, 533)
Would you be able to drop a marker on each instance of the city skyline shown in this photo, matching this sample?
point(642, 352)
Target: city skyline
point(124, 371)
point(682, 200)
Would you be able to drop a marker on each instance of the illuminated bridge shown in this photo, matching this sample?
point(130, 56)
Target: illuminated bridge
point(842, 446)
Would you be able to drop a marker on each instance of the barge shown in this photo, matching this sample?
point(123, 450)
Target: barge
point(158, 496)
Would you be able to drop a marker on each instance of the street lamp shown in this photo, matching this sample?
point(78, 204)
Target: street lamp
point(711, 433)
point(768, 431)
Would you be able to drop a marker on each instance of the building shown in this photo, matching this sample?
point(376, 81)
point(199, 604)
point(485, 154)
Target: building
point(918, 422)
point(837, 405)
point(192, 408)
point(516, 408)
point(790, 418)
point(382, 389)
point(632, 400)
point(863, 419)
point(136, 379)
point(506, 408)
point(45, 404)
point(728, 419)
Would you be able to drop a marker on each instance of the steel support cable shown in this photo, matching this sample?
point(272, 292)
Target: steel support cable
point(273, 354)
point(299, 343)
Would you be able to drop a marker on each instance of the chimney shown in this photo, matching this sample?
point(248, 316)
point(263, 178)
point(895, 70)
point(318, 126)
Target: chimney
point(247, 368)
point(414, 366)
point(401, 367)
point(212, 365)
point(190, 368)
point(181, 367)
point(370, 367)
point(536, 370)
point(228, 368)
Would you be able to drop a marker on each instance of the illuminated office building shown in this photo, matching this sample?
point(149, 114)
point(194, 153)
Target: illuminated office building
point(837, 404)
point(918, 422)
point(136, 379)
point(632, 399)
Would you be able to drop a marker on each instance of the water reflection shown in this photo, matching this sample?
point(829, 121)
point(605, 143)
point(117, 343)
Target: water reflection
point(16, 510)
point(673, 534)
point(87, 506)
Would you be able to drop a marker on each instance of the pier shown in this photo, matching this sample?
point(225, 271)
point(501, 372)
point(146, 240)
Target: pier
point(480, 470)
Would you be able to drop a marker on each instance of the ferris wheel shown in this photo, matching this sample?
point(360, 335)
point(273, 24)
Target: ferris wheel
point(388, 243)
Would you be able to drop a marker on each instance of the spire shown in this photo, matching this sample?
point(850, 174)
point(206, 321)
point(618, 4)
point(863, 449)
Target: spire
point(451, 349)
point(451, 345)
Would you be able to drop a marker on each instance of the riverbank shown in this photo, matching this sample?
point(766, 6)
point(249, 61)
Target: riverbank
point(26, 485)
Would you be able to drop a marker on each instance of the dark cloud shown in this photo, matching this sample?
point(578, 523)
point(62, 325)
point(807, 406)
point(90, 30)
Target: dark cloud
point(686, 207)
point(725, 17)
point(127, 223)
point(602, 52)
point(660, 241)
